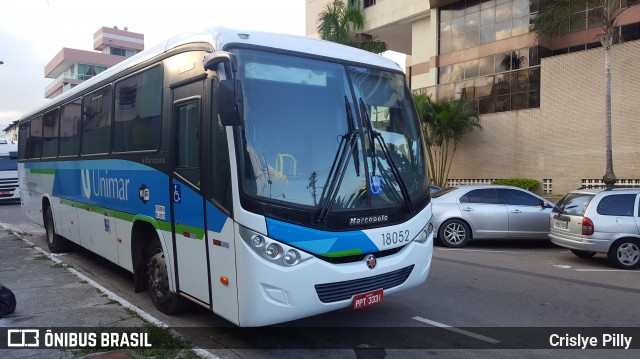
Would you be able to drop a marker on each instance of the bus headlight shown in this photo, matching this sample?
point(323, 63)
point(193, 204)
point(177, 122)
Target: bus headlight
point(257, 241)
point(421, 237)
point(272, 251)
point(291, 257)
point(425, 232)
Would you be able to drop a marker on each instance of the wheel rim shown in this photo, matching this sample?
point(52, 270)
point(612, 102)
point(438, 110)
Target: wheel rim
point(455, 233)
point(156, 280)
point(49, 230)
point(628, 254)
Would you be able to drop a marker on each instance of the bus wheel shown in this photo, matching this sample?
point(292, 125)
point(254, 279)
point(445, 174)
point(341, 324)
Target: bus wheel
point(163, 299)
point(55, 242)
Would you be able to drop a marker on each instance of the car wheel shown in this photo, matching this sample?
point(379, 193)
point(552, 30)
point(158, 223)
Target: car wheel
point(625, 253)
point(583, 254)
point(158, 279)
point(55, 242)
point(454, 233)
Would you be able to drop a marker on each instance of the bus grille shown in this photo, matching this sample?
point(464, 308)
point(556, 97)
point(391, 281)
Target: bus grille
point(334, 292)
point(8, 186)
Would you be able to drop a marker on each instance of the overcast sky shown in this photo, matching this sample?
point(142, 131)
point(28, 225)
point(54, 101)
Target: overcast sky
point(32, 32)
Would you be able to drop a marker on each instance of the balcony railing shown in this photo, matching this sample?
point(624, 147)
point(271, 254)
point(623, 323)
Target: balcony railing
point(68, 76)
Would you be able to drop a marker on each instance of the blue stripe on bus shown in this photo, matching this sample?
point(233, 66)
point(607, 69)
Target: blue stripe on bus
point(215, 218)
point(121, 189)
point(317, 241)
point(114, 184)
point(188, 209)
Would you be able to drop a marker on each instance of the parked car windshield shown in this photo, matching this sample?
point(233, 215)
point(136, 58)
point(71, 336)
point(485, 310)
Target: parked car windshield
point(574, 204)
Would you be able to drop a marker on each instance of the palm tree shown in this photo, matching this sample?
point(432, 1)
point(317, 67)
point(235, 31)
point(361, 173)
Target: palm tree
point(340, 22)
point(444, 124)
point(553, 19)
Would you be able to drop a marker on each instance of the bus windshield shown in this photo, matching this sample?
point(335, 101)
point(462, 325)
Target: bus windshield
point(9, 162)
point(323, 134)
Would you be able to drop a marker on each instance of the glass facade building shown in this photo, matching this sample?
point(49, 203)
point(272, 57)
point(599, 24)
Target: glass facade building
point(505, 81)
point(508, 80)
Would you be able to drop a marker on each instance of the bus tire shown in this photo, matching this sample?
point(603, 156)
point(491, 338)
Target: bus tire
point(157, 276)
point(55, 242)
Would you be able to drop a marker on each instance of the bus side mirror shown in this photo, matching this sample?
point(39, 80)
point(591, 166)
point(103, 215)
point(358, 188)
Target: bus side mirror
point(230, 107)
point(230, 100)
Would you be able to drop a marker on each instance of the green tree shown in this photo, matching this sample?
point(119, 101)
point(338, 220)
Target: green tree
point(554, 19)
point(443, 125)
point(340, 22)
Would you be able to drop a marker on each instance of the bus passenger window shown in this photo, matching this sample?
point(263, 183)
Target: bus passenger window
point(138, 112)
point(34, 141)
point(70, 128)
point(50, 125)
point(96, 124)
point(23, 136)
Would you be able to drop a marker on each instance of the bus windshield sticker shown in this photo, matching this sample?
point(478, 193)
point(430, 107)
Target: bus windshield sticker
point(377, 187)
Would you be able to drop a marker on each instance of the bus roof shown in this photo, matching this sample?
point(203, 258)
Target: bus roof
point(219, 37)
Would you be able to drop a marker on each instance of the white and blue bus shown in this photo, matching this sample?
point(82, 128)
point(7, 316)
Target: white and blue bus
point(265, 177)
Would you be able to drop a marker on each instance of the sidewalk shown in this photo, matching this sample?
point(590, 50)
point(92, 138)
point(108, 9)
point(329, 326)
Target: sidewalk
point(50, 295)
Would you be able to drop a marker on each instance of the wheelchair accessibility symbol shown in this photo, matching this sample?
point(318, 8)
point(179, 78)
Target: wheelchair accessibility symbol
point(376, 185)
point(177, 193)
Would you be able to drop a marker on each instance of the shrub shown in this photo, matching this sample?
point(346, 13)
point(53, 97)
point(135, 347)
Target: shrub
point(525, 183)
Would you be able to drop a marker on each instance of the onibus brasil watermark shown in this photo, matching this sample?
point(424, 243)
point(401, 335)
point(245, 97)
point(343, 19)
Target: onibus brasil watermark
point(72, 339)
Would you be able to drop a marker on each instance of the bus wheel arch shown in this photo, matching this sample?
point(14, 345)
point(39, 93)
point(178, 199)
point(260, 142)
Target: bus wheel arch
point(143, 234)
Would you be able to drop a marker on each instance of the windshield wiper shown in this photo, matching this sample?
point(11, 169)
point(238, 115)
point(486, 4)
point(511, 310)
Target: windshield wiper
point(348, 144)
point(352, 129)
point(375, 135)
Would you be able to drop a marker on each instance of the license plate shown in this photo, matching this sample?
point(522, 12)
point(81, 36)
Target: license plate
point(367, 299)
point(561, 224)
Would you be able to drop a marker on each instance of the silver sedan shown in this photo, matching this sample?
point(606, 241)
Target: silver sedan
point(488, 212)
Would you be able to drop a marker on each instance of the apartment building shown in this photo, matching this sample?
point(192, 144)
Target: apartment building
point(542, 105)
point(70, 67)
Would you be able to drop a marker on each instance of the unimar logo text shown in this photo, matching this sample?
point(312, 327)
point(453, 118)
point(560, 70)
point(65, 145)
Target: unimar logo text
point(98, 183)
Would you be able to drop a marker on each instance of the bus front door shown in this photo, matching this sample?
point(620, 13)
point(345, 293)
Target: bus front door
point(186, 198)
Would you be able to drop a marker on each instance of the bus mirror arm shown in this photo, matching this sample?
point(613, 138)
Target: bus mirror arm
point(212, 60)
